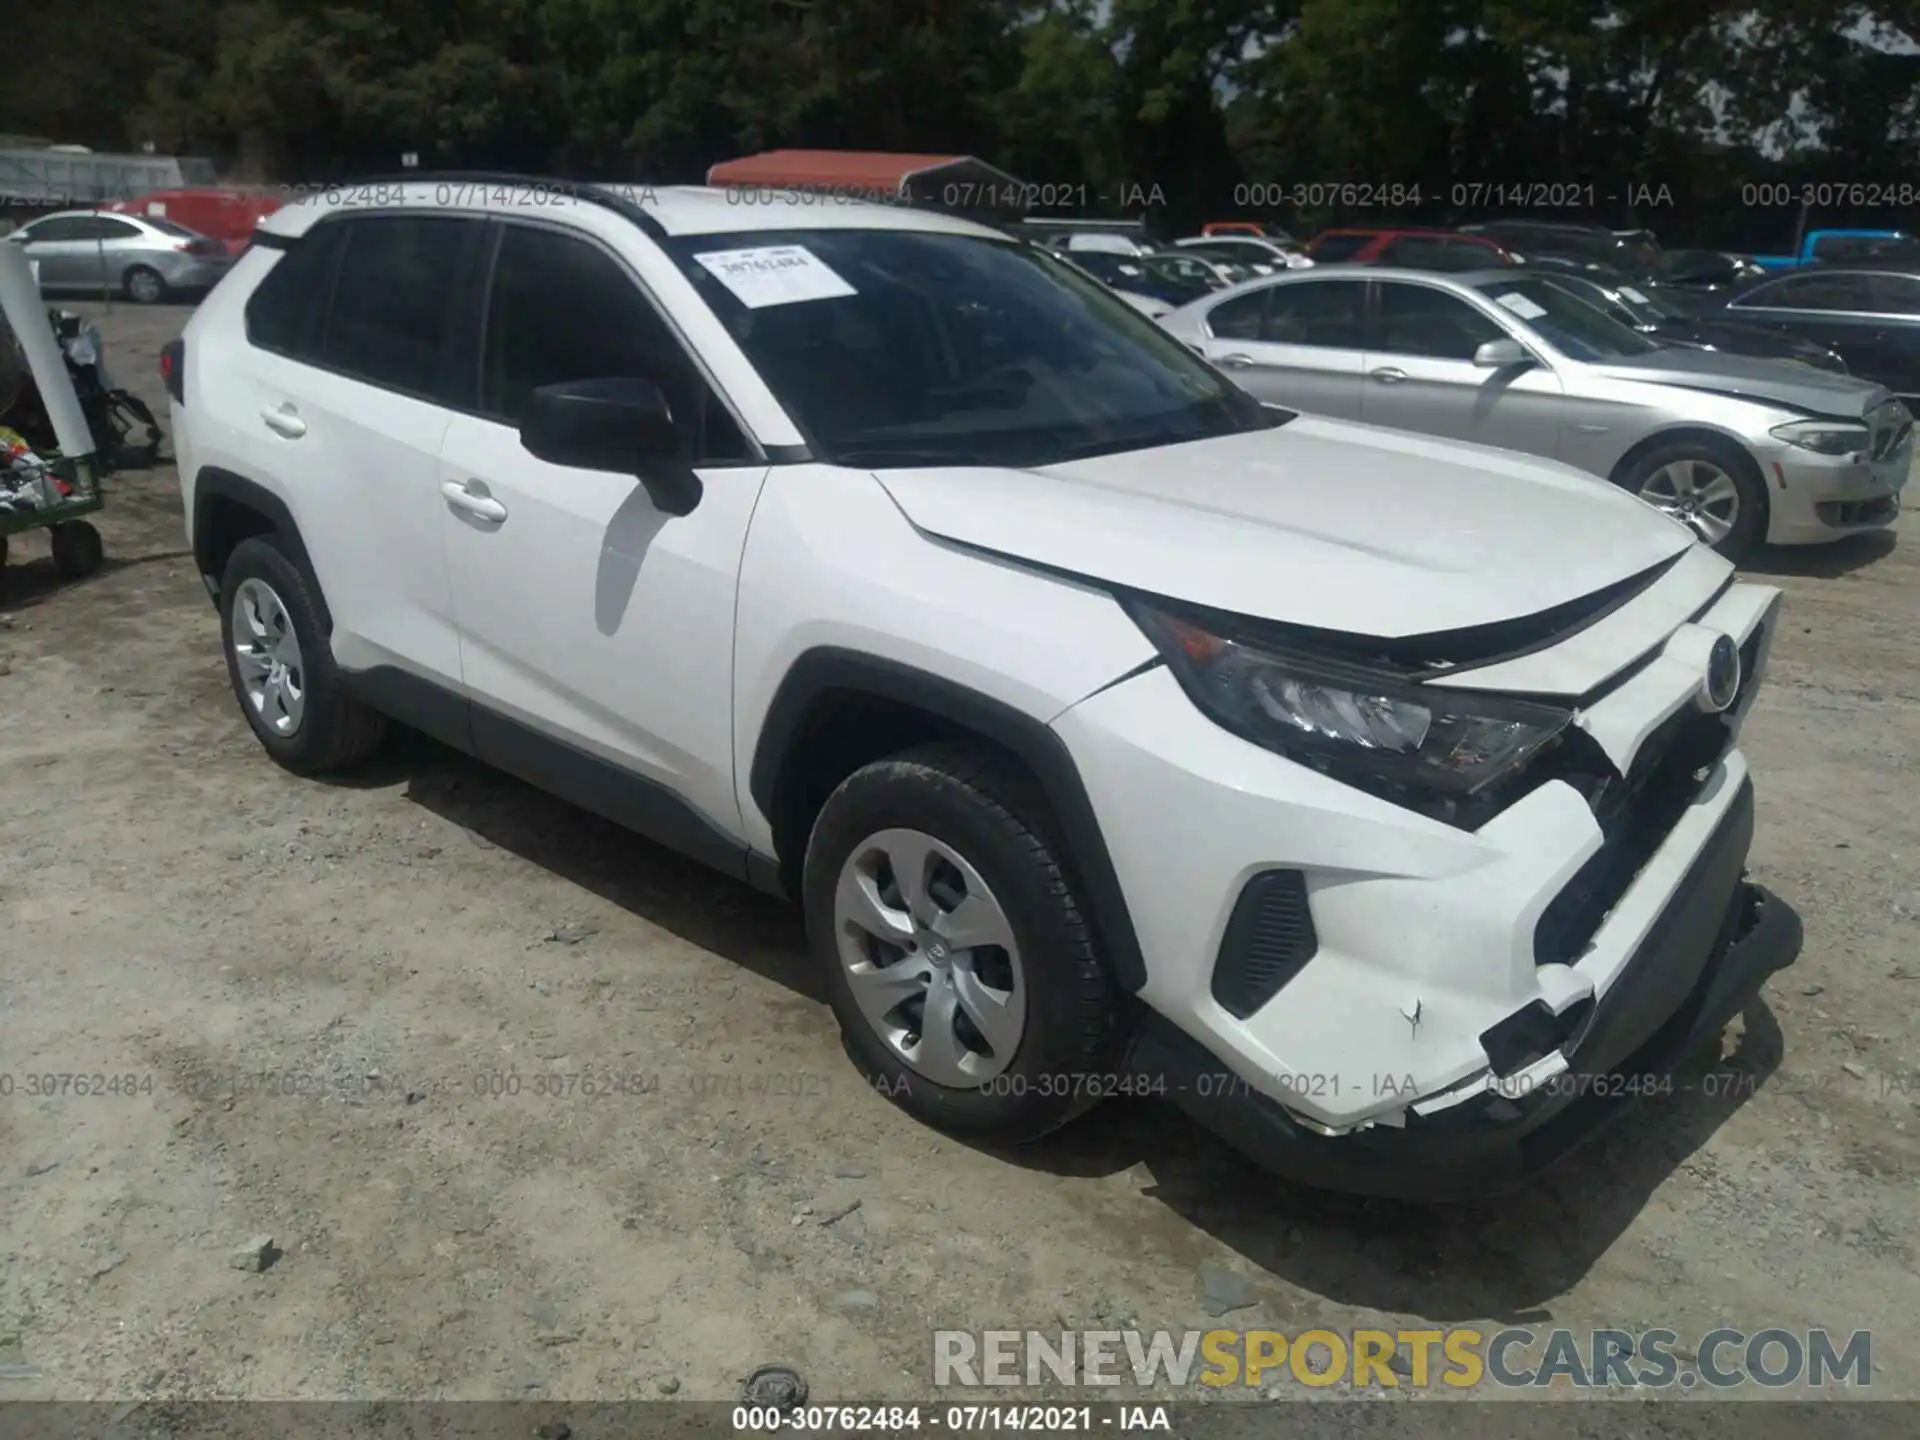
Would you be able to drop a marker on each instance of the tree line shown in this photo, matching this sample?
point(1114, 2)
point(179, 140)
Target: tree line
point(1707, 120)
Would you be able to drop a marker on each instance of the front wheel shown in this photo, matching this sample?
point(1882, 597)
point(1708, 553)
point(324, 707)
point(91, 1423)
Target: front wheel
point(77, 549)
point(957, 959)
point(1714, 491)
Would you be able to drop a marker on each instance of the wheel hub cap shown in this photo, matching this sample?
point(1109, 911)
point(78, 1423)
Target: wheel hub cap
point(930, 957)
point(266, 653)
point(1699, 494)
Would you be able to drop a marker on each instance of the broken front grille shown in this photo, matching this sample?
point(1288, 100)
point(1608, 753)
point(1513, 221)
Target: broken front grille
point(1635, 813)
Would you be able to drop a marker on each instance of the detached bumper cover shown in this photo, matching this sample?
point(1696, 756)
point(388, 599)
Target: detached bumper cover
point(1714, 945)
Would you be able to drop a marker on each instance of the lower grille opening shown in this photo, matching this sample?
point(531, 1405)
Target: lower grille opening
point(1270, 937)
point(1532, 1034)
point(1857, 512)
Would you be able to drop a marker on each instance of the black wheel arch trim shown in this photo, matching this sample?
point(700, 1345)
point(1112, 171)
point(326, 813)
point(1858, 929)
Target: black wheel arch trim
point(824, 670)
point(211, 484)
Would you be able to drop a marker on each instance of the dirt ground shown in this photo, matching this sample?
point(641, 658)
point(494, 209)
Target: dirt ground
point(390, 952)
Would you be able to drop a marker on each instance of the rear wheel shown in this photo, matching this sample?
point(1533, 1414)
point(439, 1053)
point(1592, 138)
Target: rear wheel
point(957, 959)
point(1714, 490)
point(282, 667)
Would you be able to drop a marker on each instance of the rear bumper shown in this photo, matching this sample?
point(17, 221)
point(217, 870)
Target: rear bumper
point(1715, 943)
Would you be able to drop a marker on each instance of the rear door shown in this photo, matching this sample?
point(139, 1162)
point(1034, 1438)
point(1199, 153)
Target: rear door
point(57, 247)
point(115, 245)
point(1297, 344)
point(355, 349)
point(1420, 374)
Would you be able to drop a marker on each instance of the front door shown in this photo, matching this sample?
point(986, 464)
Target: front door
point(594, 626)
point(1420, 375)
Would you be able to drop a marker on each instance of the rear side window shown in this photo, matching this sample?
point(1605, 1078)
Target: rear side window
point(1238, 318)
point(563, 309)
point(287, 311)
point(1332, 249)
point(388, 320)
point(1326, 314)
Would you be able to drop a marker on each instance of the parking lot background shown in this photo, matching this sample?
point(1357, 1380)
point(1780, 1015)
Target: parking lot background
point(324, 987)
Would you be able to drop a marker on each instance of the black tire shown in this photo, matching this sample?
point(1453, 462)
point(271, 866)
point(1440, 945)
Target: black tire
point(77, 549)
point(148, 280)
point(988, 812)
point(335, 730)
point(1750, 523)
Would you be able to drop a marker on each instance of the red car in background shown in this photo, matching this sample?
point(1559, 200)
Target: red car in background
point(1415, 248)
point(220, 213)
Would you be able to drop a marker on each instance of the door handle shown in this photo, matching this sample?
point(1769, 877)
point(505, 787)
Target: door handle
point(483, 507)
point(1389, 375)
point(1236, 361)
point(284, 422)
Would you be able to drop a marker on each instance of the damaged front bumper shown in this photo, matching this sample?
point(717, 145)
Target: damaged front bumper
point(1701, 962)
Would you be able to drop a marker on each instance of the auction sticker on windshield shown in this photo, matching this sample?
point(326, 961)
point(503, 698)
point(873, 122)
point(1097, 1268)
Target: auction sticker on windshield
point(774, 275)
point(1633, 295)
point(1520, 305)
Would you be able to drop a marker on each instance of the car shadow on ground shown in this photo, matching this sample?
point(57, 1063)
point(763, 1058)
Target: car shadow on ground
point(1824, 562)
point(1504, 1258)
point(681, 896)
point(25, 584)
point(1500, 1258)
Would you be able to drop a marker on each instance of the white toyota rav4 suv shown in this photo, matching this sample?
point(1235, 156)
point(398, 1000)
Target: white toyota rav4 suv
point(1375, 798)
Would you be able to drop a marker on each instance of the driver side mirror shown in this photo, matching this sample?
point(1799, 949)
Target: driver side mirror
point(1502, 355)
point(622, 425)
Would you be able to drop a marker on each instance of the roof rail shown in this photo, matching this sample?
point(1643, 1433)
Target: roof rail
point(594, 192)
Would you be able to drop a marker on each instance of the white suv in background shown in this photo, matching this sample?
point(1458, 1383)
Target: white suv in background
point(1374, 798)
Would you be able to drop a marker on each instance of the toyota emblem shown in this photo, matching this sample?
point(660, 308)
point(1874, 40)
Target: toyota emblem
point(1723, 675)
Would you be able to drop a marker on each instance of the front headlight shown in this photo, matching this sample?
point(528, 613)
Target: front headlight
point(1384, 733)
point(1824, 437)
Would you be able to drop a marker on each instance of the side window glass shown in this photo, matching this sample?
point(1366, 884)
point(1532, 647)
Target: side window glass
point(1326, 314)
point(1415, 320)
point(1894, 294)
point(563, 309)
point(101, 227)
point(390, 305)
point(1812, 292)
point(65, 227)
point(286, 310)
point(1239, 318)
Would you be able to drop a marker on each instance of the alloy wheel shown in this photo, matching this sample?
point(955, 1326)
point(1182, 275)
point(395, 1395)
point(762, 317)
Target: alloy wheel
point(1699, 494)
point(267, 652)
point(930, 957)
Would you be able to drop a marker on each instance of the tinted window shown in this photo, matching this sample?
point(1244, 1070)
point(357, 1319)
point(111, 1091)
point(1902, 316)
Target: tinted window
point(925, 348)
point(1415, 320)
point(1812, 292)
point(563, 309)
point(1893, 294)
point(1239, 318)
point(1427, 252)
point(286, 311)
point(56, 227)
point(390, 300)
point(104, 227)
point(1325, 313)
point(167, 227)
point(1332, 249)
point(1848, 247)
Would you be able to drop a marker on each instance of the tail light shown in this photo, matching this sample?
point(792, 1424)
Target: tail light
point(173, 369)
point(202, 247)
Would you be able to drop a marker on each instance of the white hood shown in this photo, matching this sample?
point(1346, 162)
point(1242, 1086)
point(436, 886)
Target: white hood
point(1320, 523)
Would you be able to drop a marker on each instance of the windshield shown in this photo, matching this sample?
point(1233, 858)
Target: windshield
point(896, 348)
point(1574, 327)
